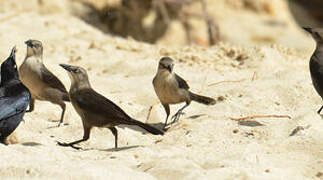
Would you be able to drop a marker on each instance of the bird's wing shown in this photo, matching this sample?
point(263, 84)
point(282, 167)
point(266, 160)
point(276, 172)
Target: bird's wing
point(181, 82)
point(50, 79)
point(10, 106)
point(316, 66)
point(94, 102)
point(2, 90)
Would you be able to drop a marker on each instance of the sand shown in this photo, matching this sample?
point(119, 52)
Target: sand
point(254, 78)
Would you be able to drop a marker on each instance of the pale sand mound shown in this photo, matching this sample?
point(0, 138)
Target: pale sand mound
point(205, 144)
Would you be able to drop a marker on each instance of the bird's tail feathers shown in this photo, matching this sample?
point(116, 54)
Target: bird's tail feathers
point(202, 99)
point(147, 127)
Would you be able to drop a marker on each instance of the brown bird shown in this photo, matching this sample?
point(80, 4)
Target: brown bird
point(42, 84)
point(172, 89)
point(96, 110)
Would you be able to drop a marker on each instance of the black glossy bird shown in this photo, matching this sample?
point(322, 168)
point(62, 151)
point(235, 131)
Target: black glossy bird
point(14, 97)
point(316, 61)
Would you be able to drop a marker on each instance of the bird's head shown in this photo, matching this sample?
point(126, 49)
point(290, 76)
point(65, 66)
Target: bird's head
point(34, 48)
point(9, 67)
point(317, 34)
point(166, 64)
point(78, 75)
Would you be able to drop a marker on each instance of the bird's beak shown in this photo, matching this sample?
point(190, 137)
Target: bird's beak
point(13, 53)
point(28, 43)
point(66, 67)
point(308, 29)
point(170, 68)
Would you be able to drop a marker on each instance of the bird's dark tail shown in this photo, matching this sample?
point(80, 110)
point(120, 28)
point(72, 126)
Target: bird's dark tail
point(202, 99)
point(147, 127)
point(66, 97)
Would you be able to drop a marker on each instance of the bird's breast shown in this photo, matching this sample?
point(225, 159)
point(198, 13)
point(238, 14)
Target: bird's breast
point(30, 76)
point(166, 88)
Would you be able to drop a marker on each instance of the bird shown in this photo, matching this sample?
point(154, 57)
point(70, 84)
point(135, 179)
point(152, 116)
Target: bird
point(14, 97)
point(172, 89)
point(43, 84)
point(316, 61)
point(96, 110)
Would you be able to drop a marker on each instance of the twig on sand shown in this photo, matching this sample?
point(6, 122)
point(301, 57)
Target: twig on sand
point(151, 108)
point(147, 169)
point(227, 81)
point(254, 76)
point(260, 116)
point(4, 19)
point(295, 131)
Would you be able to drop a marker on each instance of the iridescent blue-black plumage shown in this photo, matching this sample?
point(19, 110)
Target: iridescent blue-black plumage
point(14, 97)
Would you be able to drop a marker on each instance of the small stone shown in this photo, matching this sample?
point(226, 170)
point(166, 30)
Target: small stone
point(221, 98)
point(235, 131)
point(231, 53)
point(319, 174)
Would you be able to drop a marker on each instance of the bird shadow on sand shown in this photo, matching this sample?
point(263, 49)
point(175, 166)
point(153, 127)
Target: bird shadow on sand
point(107, 150)
point(81, 149)
point(159, 125)
point(31, 144)
point(250, 123)
point(139, 129)
point(120, 148)
point(196, 116)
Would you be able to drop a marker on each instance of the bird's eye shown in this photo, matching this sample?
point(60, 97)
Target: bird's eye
point(163, 65)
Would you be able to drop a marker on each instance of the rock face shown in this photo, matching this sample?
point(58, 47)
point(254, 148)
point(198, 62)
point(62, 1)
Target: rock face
point(307, 12)
point(182, 24)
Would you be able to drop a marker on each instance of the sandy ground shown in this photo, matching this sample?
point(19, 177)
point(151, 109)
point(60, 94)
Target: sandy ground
point(254, 79)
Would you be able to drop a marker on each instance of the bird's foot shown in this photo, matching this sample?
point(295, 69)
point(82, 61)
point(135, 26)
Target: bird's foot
point(61, 124)
point(68, 145)
point(29, 110)
point(165, 128)
point(176, 116)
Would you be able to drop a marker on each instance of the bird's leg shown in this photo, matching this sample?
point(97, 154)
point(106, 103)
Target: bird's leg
point(319, 111)
point(176, 116)
point(115, 133)
point(63, 106)
point(86, 136)
point(166, 106)
point(31, 105)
